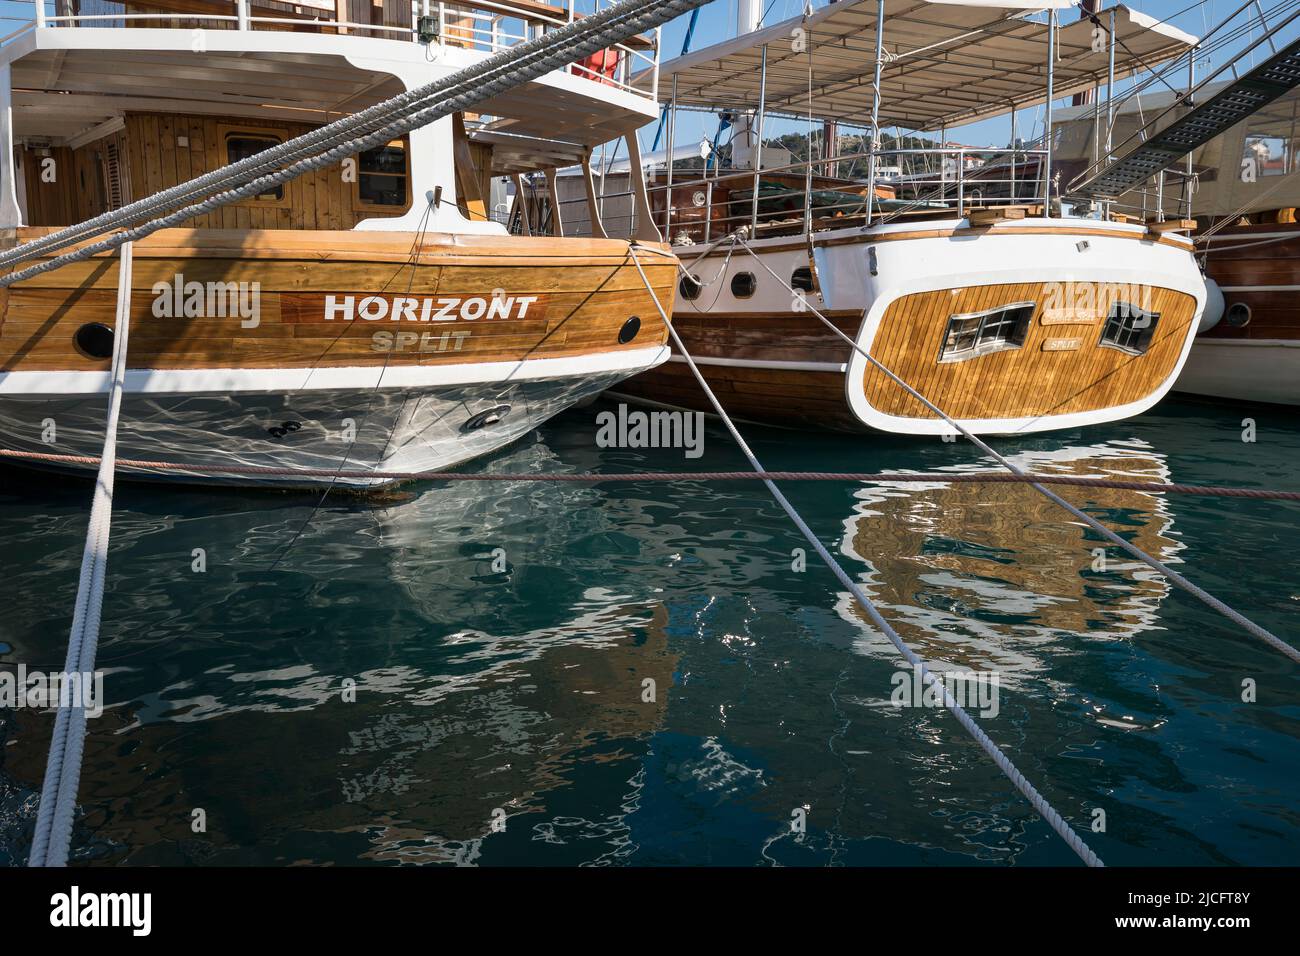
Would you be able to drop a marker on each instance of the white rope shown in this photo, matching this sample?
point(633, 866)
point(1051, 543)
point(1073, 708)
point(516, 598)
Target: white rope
point(53, 835)
point(1037, 800)
point(1209, 599)
point(347, 137)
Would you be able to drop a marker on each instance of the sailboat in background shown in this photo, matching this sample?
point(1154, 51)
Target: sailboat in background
point(1234, 138)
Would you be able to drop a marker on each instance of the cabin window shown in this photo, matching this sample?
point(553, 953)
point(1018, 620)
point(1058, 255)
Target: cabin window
point(241, 144)
point(971, 334)
point(1129, 328)
point(382, 175)
point(802, 278)
point(743, 285)
point(1263, 154)
point(690, 287)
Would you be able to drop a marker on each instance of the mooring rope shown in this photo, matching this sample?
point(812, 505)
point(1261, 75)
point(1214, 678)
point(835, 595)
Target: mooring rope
point(1027, 789)
point(1195, 590)
point(53, 835)
point(352, 135)
point(591, 477)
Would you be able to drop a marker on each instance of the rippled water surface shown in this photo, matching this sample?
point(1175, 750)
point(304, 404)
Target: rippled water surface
point(651, 681)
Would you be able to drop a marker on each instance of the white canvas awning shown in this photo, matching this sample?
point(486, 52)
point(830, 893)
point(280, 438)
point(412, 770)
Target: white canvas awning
point(947, 63)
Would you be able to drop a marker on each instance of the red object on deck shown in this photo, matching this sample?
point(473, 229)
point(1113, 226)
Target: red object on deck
point(600, 66)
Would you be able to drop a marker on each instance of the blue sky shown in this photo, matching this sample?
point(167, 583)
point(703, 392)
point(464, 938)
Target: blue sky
point(717, 22)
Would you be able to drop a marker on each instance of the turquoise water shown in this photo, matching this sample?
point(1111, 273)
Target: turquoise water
point(519, 695)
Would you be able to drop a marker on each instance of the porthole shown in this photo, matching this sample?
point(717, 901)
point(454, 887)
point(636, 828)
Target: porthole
point(94, 340)
point(629, 330)
point(743, 285)
point(698, 198)
point(1237, 316)
point(690, 287)
point(487, 417)
point(802, 278)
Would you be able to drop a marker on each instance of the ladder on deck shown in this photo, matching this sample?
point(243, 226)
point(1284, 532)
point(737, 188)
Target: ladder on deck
point(1248, 94)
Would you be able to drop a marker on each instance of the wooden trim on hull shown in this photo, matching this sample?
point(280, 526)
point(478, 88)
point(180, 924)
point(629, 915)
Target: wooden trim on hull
point(1082, 230)
point(1061, 369)
point(789, 399)
point(747, 342)
point(284, 299)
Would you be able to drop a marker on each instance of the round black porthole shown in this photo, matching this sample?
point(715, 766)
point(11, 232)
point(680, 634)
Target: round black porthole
point(690, 287)
point(801, 278)
point(743, 285)
point(629, 330)
point(1237, 316)
point(488, 417)
point(94, 340)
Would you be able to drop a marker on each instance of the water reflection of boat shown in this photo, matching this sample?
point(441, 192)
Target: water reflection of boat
point(487, 707)
point(990, 576)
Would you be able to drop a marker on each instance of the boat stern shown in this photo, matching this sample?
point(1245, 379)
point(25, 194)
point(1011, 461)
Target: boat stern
point(1016, 327)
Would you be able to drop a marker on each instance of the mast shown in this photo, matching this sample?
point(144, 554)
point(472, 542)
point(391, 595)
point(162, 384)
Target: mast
point(744, 150)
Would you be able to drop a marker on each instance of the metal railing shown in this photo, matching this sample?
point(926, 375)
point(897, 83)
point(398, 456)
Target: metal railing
point(954, 180)
point(486, 26)
point(1238, 27)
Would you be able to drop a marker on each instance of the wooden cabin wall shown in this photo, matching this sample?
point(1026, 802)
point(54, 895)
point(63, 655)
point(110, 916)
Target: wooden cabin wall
point(481, 156)
point(152, 160)
point(79, 190)
point(317, 200)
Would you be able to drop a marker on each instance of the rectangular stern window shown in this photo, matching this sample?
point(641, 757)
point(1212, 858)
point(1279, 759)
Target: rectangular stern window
point(1129, 329)
point(972, 334)
point(242, 144)
point(382, 175)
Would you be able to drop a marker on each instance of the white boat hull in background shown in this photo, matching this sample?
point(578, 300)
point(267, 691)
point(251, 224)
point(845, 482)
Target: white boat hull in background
point(1246, 370)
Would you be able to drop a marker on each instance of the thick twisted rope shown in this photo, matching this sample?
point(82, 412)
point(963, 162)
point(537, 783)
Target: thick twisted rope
point(347, 137)
point(589, 477)
point(1195, 590)
point(53, 834)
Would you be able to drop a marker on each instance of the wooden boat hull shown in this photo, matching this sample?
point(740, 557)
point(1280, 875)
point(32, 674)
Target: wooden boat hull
point(1259, 361)
point(894, 292)
point(376, 352)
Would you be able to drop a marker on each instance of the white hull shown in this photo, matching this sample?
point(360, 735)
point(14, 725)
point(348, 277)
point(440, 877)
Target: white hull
point(775, 362)
point(929, 264)
point(1247, 370)
point(381, 432)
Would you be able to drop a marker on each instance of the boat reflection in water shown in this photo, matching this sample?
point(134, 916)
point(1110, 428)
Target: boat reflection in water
point(500, 637)
point(992, 577)
point(481, 692)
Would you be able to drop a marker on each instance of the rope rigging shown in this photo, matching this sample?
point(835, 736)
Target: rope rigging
point(1205, 597)
point(53, 834)
point(1004, 763)
point(346, 137)
point(375, 126)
